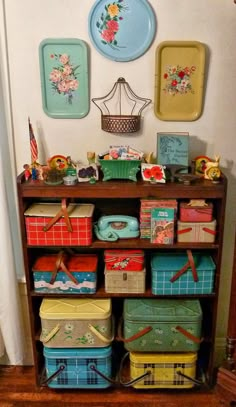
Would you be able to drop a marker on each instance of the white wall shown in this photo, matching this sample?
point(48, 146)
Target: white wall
point(212, 22)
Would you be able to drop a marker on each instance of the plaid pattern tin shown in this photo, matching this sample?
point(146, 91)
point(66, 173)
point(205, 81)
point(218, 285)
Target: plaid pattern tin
point(75, 367)
point(39, 216)
point(170, 370)
point(166, 265)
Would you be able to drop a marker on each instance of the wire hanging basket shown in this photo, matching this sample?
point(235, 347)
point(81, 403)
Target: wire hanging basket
point(121, 108)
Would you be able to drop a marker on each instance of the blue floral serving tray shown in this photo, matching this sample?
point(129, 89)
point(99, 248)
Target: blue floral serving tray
point(64, 78)
point(122, 30)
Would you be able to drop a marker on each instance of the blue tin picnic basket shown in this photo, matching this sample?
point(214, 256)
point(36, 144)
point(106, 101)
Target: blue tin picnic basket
point(78, 368)
point(176, 273)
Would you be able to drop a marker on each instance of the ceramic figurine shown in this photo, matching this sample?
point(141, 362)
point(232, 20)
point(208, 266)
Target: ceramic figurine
point(91, 156)
point(212, 170)
point(27, 171)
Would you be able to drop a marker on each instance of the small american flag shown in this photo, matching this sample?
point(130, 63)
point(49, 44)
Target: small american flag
point(33, 144)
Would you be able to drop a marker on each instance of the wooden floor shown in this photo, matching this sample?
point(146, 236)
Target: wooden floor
point(17, 388)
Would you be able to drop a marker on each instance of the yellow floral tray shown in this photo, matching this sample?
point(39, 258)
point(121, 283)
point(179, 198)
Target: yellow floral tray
point(179, 80)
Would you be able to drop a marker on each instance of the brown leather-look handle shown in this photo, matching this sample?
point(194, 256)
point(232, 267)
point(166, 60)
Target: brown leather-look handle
point(62, 212)
point(132, 338)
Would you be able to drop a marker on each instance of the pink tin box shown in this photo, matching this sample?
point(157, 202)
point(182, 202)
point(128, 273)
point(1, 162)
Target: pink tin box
point(58, 224)
point(125, 260)
point(202, 232)
point(196, 211)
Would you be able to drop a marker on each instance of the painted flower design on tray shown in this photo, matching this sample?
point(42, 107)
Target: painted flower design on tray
point(63, 76)
point(109, 23)
point(178, 79)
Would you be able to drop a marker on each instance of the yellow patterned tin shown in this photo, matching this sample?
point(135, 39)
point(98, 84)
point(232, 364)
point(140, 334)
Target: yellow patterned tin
point(163, 370)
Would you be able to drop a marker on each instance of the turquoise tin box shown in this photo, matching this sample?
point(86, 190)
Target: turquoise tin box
point(63, 273)
point(182, 273)
point(162, 325)
point(78, 368)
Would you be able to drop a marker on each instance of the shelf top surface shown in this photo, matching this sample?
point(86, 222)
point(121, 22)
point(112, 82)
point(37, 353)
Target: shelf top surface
point(123, 189)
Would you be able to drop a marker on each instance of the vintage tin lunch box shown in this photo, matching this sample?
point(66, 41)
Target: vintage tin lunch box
point(202, 232)
point(54, 224)
point(126, 260)
point(172, 273)
point(63, 273)
point(125, 281)
point(196, 211)
point(163, 370)
point(162, 325)
point(78, 368)
point(76, 323)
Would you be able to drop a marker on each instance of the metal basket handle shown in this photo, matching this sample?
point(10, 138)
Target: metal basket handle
point(55, 374)
point(133, 381)
point(108, 379)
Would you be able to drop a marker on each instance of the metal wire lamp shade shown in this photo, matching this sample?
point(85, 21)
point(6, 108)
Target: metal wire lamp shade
point(126, 108)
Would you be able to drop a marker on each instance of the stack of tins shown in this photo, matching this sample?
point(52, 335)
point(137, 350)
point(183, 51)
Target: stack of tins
point(124, 271)
point(162, 337)
point(196, 223)
point(77, 336)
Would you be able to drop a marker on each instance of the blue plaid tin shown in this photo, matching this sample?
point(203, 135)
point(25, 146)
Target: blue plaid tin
point(167, 278)
point(78, 368)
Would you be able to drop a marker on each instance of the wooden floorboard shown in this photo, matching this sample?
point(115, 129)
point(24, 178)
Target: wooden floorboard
point(17, 389)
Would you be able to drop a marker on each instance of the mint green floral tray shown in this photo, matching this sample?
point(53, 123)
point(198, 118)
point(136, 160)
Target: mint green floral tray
point(64, 77)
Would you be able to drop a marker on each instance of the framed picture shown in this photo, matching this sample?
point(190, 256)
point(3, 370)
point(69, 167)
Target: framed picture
point(64, 78)
point(153, 173)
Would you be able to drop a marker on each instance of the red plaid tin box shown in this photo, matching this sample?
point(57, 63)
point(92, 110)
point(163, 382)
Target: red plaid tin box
point(53, 224)
point(125, 260)
point(196, 211)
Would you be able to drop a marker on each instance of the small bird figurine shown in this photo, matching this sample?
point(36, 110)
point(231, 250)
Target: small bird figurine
point(212, 170)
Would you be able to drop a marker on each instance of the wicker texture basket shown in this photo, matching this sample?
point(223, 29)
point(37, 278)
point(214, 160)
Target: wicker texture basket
point(121, 108)
point(120, 124)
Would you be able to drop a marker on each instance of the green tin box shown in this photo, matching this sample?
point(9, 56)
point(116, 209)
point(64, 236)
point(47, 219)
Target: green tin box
point(162, 325)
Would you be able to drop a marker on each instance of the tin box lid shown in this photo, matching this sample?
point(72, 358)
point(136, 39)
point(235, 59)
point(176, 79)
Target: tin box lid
point(51, 209)
point(52, 353)
point(78, 262)
point(123, 252)
point(162, 310)
point(175, 261)
point(73, 308)
point(147, 357)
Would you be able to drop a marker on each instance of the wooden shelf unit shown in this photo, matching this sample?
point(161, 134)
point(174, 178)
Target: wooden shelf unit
point(123, 197)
